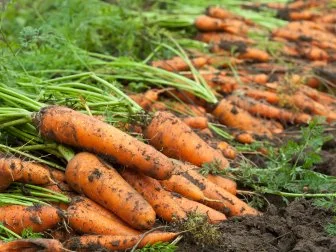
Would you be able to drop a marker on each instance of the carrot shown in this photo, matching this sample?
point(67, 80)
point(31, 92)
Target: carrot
point(225, 183)
point(255, 54)
point(39, 244)
point(244, 138)
point(147, 99)
point(38, 217)
point(229, 114)
point(258, 94)
point(216, 37)
point(116, 242)
point(266, 110)
point(184, 108)
point(86, 174)
point(206, 23)
point(192, 206)
point(188, 97)
point(222, 60)
point(196, 122)
point(318, 96)
point(14, 169)
point(70, 127)
point(156, 195)
point(85, 217)
point(227, 203)
point(183, 186)
point(168, 133)
point(314, 53)
point(227, 150)
point(177, 64)
point(218, 12)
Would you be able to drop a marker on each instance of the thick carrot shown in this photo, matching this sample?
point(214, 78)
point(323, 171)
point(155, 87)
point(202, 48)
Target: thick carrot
point(178, 64)
point(14, 169)
point(229, 114)
point(183, 186)
point(39, 217)
point(191, 206)
point(196, 122)
point(85, 173)
point(266, 110)
point(225, 183)
point(156, 195)
point(227, 150)
point(85, 217)
point(31, 245)
point(116, 242)
point(168, 133)
point(70, 127)
point(226, 202)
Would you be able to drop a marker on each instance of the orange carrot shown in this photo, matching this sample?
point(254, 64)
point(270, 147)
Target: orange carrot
point(196, 122)
point(14, 169)
point(178, 64)
point(216, 37)
point(39, 217)
point(156, 195)
point(227, 150)
point(314, 53)
point(145, 100)
point(175, 139)
point(84, 217)
point(100, 182)
point(245, 138)
point(116, 243)
point(31, 245)
point(255, 54)
point(190, 206)
point(229, 114)
point(226, 202)
point(206, 23)
point(225, 183)
point(70, 127)
point(183, 186)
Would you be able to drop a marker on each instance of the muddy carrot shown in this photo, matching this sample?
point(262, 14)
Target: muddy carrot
point(84, 217)
point(156, 195)
point(116, 242)
point(39, 244)
point(38, 217)
point(225, 183)
point(86, 174)
point(190, 206)
point(183, 186)
point(70, 127)
point(227, 150)
point(175, 139)
point(229, 114)
point(196, 122)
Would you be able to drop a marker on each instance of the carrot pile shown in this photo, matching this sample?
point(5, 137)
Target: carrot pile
point(119, 186)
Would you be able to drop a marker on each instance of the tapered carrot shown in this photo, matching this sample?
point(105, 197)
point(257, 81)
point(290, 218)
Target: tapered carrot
point(229, 114)
point(179, 64)
point(183, 186)
point(14, 169)
point(268, 96)
point(266, 110)
point(255, 54)
point(31, 245)
point(145, 100)
point(85, 216)
point(196, 122)
point(116, 242)
point(85, 173)
point(227, 150)
point(225, 183)
point(320, 97)
point(194, 207)
point(70, 127)
point(175, 139)
point(244, 138)
point(216, 37)
point(206, 23)
point(156, 195)
point(39, 217)
point(226, 202)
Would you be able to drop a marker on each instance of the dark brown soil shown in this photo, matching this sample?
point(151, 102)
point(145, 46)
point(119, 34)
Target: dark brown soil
point(297, 227)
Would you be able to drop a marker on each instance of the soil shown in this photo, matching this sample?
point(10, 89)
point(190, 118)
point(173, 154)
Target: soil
point(297, 227)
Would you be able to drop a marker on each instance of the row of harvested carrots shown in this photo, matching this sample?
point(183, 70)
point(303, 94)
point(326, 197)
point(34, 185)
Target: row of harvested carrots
point(118, 204)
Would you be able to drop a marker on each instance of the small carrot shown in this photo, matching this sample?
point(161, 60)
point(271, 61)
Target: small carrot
point(38, 217)
point(70, 127)
point(168, 133)
point(116, 242)
point(190, 206)
point(145, 100)
point(177, 64)
point(255, 54)
point(84, 217)
point(156, 195)
point(196, 122)
point(244, 138)
point(100, 182)
point(206, 23)
point(216, 37)
point(229, 114)
point(225, 183)
point(46, 245)
point(227, 150)
point(183, 186)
